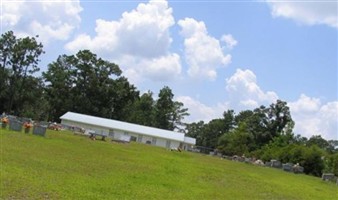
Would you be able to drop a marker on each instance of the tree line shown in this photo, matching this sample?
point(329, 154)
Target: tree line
point(87, 84)
point(266, 133)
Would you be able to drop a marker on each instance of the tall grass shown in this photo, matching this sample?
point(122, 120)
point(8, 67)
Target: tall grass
point(64, 166)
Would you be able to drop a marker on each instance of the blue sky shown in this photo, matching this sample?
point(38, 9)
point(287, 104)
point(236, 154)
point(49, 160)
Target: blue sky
point(215, 55)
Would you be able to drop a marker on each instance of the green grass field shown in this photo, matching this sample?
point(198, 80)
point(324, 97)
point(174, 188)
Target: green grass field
point(64, 166)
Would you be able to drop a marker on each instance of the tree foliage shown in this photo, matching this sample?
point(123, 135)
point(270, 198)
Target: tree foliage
point(19, 60)
point(168, 114)
point(89, 85)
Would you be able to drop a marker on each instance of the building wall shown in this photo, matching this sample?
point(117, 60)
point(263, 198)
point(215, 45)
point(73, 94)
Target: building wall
point(118, 134)
point(97, 129)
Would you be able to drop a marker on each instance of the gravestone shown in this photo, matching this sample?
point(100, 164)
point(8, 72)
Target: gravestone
point(328, 177)
point(39, 130)
point(298, 169)
point(267, 164)
point(276, 164)
point(15, 125)
point(287, 167)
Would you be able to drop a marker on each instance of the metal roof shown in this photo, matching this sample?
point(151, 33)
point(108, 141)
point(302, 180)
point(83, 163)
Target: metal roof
point(124, 126)
point(189, 140)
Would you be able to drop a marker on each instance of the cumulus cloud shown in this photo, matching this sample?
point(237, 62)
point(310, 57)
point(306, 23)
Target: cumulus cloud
point(307, 12)
point(139, 41)
point(244, 92)
point(203, 53)
point(229, 41)
point(161, 69)
point(199, 111)
point(49, 20)
point(312, 117)
point(143, 32)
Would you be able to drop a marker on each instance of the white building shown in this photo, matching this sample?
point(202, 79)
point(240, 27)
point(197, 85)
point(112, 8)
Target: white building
point(118, 130)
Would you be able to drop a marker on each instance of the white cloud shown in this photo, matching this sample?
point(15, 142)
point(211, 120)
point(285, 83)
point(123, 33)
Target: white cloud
point(142, 32)
point(229, 40)
point(203, 53)
point(139, 42)
point(159, 68)
point(164, 68)
point(199, 111)
point(305, 104)
point(314, 118)
point(244, 92)
point(307, 12)
point(49, 20)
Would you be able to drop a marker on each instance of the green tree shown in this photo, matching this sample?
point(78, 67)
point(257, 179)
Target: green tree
point(123, 95)
point(143, 110)
point(169, 113)
point(332, 164)
point(195, 130)
point(320, 142)
point(279, 118)
point(267, 123)
point(87, 84)
point(236, 142)
point(34, 104)
point(19, 60)
point(92, 81)
point(60, 81)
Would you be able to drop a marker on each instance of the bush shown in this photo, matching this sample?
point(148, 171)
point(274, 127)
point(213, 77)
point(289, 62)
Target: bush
point(308, 157)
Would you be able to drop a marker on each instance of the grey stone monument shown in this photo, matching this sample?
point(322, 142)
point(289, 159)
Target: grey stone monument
point(328, 177)
point(15, 125)
point(287, 167)
point(39, 130)
point(276, 164)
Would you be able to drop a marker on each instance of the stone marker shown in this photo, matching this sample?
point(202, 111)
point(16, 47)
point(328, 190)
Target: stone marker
point(267, 164)
point(297, 169)
point(39, 130)
point(247, 160)
point(288, 167)
point(15, 125)
point(276, 164)
point(328, 177)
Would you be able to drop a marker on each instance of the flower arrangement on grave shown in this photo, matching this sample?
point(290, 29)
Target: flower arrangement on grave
point(27, 126)
point(4, 122)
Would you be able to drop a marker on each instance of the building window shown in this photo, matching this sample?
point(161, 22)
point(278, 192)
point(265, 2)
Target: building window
point(167, 144)
point(133, 138)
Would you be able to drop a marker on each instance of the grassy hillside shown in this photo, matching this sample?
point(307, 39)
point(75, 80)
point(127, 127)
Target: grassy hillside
point(64, 166)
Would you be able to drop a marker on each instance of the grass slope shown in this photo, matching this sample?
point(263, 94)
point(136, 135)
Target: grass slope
point(64, 166)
